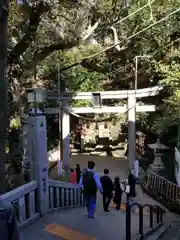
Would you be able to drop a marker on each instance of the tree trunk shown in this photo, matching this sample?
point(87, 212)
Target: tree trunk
point(4, 4)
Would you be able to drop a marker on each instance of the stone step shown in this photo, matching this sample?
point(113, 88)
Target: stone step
point(171, 234)
point(156, 235)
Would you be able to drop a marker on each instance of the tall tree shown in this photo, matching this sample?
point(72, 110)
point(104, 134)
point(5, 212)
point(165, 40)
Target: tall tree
point(4, 5)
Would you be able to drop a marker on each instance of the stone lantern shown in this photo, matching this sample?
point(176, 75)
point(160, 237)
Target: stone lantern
point(158, 149)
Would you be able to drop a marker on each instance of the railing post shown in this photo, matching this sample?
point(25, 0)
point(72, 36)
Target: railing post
point(157, 214)
point(140, 220)
point(128, 222)
point(151, 216)
point(161, 215)
point(37, 148)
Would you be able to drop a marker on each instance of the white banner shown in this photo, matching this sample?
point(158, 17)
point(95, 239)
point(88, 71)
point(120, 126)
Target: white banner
point(177, 166)
point(60, 167)
point(136, 169)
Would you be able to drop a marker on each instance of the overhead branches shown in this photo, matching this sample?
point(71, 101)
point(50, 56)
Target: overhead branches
point(35, 18)
point(44, 52)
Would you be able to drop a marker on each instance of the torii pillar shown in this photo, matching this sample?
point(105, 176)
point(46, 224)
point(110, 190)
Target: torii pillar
point(65, 136)
point(131, 130)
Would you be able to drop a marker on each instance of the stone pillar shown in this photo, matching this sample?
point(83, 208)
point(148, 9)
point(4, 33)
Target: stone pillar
point(82, 143)
point(66, 139)
point(131, 130)
point(37, 151)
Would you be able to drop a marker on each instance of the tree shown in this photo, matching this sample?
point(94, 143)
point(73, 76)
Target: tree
point(45, 34)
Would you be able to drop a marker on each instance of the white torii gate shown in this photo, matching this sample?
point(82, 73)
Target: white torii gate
point(132, 107)
point(37, 156)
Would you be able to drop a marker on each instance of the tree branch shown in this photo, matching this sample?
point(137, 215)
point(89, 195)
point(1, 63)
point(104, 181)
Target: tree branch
point(41, 54)
point(44, 52)
point(90, 30)
point(23, 44)
point(92, 66)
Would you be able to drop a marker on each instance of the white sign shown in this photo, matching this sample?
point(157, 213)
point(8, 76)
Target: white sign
point(60, 167)
point(177, 166)
point(136, 168)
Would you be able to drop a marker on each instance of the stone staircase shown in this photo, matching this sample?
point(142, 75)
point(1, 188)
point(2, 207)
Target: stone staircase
point(169, 231)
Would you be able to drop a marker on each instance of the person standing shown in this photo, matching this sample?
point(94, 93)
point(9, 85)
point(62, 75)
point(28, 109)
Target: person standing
point(90, 183)
point(132, 190)
point(78, 173)
point(73, 176)
point(118, 193)
point(107, 186)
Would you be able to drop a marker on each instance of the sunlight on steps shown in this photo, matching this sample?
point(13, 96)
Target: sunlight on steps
point(66, 233)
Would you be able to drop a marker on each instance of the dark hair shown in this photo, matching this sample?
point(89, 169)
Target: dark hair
point(72, 169)
point(116, 181)
point(77, 165)
point(91, 164)
point(106, 171)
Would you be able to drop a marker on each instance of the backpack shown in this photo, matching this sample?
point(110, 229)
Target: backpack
point(89, 183)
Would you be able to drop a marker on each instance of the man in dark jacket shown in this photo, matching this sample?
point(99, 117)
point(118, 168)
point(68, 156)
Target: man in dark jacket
point(107, 186)
point(90, 183)
point(8, 225)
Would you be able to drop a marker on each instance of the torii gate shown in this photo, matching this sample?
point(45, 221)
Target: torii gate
point(131, 108)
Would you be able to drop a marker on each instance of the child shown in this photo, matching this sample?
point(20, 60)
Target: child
point(73, 176)
point(118, 193)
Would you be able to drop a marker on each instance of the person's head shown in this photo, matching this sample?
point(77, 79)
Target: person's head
point(117, 181)
point(130, 171)
point(106, 171)
point(72, 170)
point(77, 165)
point(91, 164)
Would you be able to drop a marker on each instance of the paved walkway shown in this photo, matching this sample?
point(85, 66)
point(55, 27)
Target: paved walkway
point(73, 224)
point(117, 167)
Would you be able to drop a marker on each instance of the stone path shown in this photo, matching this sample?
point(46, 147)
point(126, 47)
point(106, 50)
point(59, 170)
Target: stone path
point(117, 167)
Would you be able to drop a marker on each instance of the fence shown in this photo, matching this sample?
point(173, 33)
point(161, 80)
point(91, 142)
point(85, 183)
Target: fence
point(25, 202)
point(63, 195)
point(164, 188)
point(153, 209)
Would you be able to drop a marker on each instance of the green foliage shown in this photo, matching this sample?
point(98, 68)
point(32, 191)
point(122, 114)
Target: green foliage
point(57, 39)
point(170, 74)
point(15, 123)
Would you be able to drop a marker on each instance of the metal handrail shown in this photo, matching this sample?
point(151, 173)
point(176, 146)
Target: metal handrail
point(163, 187)
point(153, 209)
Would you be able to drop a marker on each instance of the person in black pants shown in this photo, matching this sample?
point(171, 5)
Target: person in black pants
point(118, 193)
point(78, 173)
point(107, 186)
point(132, 184)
